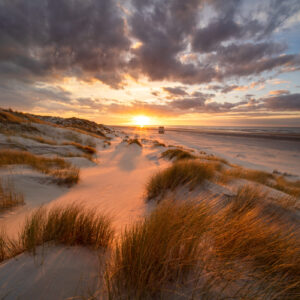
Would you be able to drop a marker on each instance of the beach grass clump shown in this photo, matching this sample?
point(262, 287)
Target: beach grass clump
point(213, 158)
point(106, 144)
point(199, 251)
point(86, 149)
point(8, 117)
point(63, 172)
point(39, 139)
point(8, 247)
point(177, 154)
point(277, 182)
point(268, 248)
point(186, 172)
point(9, 198)
point(134, 141)
point(68, 225)
point(158, 144)
point(157, 251)
point(289, 187)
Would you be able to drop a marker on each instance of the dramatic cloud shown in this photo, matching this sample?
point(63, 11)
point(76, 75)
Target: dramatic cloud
point(60, 37)
point(279, 92)
point(220, 46)
point(177, 91)
point(283, 103)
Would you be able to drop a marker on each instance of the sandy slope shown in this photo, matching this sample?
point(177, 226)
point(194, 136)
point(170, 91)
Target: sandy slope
point(54, 273)
point(250, 152)
point(115, 185)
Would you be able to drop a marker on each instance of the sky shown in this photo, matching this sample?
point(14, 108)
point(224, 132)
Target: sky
point(176, 62)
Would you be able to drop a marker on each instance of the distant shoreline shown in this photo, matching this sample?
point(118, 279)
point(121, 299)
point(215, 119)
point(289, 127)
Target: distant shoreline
point(265, 135)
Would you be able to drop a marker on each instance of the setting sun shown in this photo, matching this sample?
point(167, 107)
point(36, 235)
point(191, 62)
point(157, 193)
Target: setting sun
point(141, 120)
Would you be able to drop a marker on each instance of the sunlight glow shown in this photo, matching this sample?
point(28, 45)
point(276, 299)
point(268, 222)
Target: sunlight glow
point(141, 120)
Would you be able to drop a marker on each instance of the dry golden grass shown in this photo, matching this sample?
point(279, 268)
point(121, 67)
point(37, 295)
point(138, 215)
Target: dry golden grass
point(134, 141)
point(68, 225)
point(100, 135)
point(86, 149)
point(161, 249)
point(271, 180)
point(186, 250)
point(9, 117)
point(106, 144)
point(158, 144)
point(62, 171)
point(186, 172)
point(9, 198)
point(177, 154)
point(214, 158)
point(39, 139)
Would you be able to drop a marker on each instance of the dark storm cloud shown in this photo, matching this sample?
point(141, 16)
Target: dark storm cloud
point(40, 38)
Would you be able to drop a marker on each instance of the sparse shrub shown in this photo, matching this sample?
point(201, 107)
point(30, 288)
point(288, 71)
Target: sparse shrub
point(134, 141)
point(190, 173)
point(177, 154)
point(8, 196)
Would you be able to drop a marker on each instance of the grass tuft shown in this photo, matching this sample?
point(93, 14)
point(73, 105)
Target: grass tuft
point(134, 141)
point(157, 251)
point(197, 251)
point(190, 173)
point(177, 154)
point(8, 196)
point(158, 144)
point(86, 149)
point(63, 172)
point(268, 179)
point(70, 225)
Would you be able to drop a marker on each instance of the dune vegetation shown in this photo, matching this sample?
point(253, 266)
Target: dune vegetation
point(189, 250)
point(84, 148)
point(9, 198)
point(71, 225)
point(158, 144)
point(186, 172)
point(134, 141)
point(177, 154)
point(61, 171)
point(274, 181)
